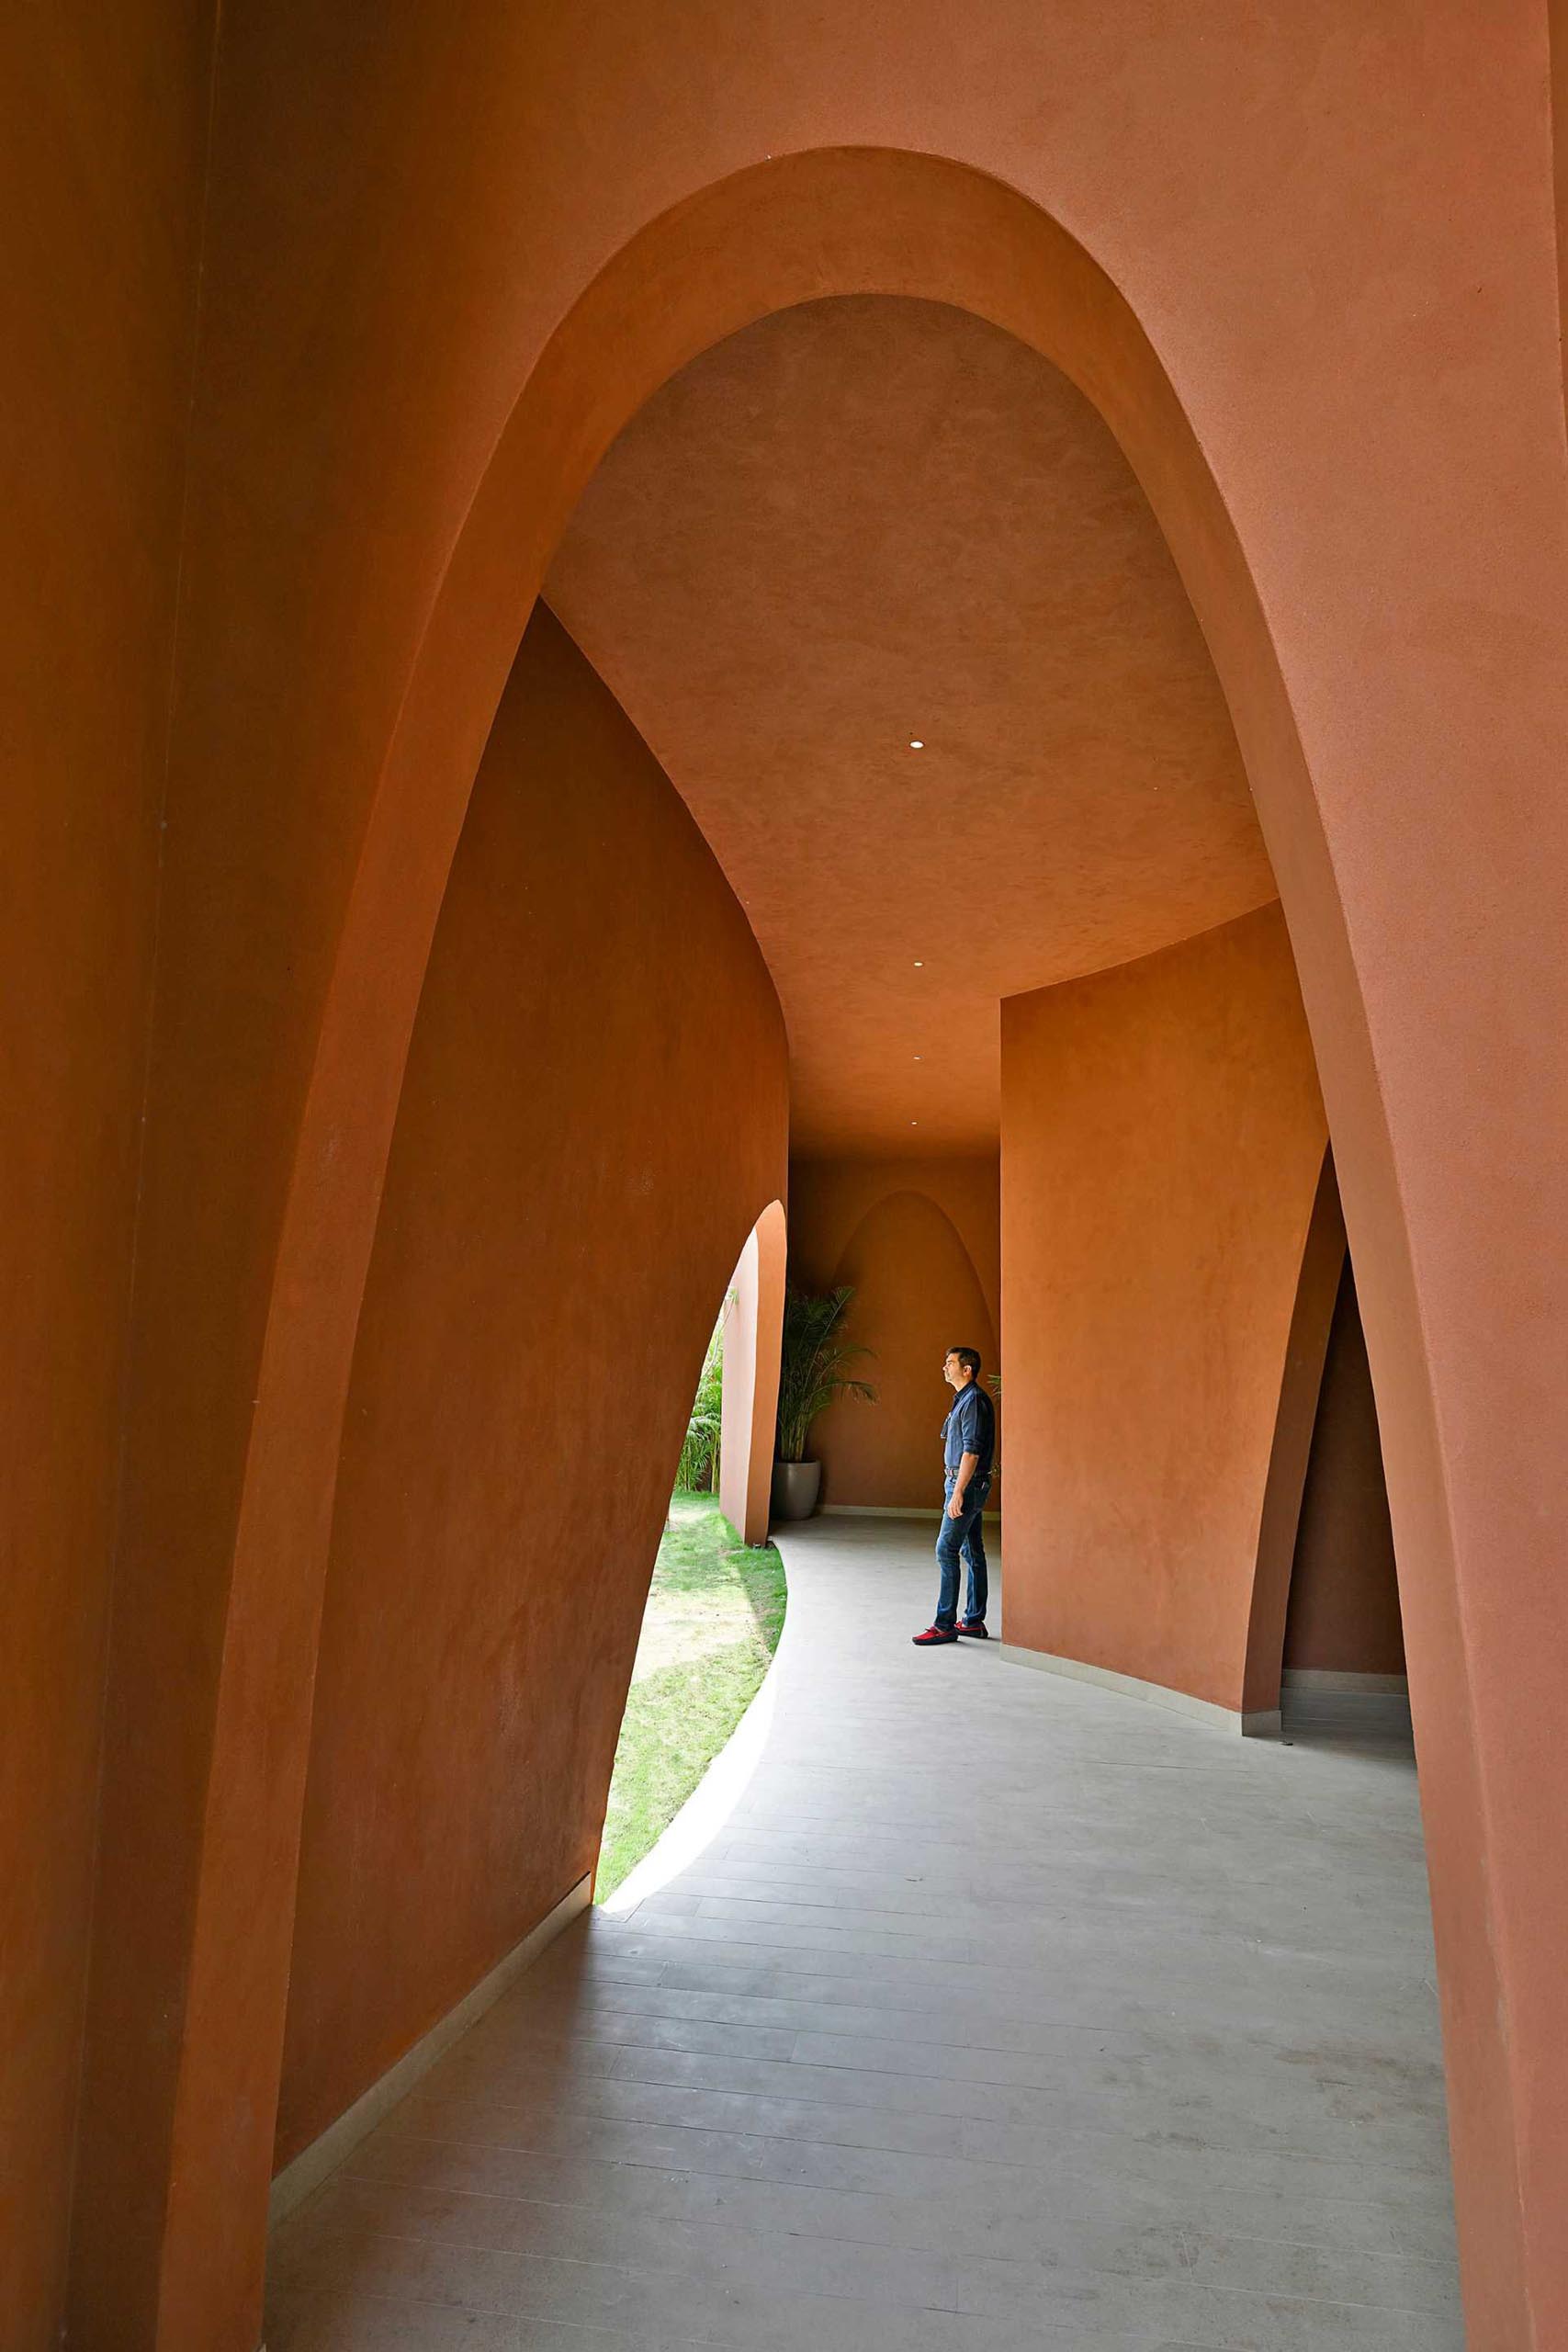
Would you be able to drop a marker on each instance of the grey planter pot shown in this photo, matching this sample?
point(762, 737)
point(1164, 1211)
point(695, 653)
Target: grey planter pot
point(797, 1486)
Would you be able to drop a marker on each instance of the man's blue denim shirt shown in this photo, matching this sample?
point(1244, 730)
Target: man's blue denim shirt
point(970, 1427)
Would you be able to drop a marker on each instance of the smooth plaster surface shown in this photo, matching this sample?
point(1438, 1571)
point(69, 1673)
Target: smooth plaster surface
point(1003, 2015)
point(101, 166)
point(896, 1233)
point(1344, 1606)
point(1162, 1140)
point(864, 521)
point(553, 1249)
point(324, 2155)
point(829, 1198)
point(1304, 264)
point(753, 1319)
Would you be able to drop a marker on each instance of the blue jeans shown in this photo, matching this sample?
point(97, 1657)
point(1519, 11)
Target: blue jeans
point(961, 1538)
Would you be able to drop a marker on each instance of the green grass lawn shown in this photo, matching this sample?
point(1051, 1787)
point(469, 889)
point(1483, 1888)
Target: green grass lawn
point(715, 1613)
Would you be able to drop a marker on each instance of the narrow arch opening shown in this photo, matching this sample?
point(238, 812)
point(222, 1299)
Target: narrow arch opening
point(593, 1116)
point(715, 1610)
point(1114, 1095)
point(1344, 1663)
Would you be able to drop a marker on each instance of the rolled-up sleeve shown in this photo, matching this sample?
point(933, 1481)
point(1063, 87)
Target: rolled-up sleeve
point(969, 1410)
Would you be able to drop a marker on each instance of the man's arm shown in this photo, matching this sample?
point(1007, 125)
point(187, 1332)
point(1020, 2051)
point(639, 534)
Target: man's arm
point(968, 1406)
point(966, 1470)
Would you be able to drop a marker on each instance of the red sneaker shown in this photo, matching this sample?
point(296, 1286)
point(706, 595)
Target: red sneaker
point(975, 1627)
point(932, 1635)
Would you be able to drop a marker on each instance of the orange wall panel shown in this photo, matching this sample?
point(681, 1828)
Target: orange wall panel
point(101, 170)
point(400, 234)
point(1162, 1136)
point(753, 1314)
point(592, 1119)
point(918, 1241)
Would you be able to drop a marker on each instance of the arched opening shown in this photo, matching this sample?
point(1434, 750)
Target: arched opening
point(1326, 1640)
point(593, 1103)
point(716, 1606)
point(917, 1292)
point(1344, 1656)
point(1155, 1100)
point(824, 224)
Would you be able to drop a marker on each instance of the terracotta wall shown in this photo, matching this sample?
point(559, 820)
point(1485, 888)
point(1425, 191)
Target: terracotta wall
point(920, 1240)
point(749, 1417)
point(403, 384)
point(1344, 1606)
point(100, 186)
point(594, 1117)
point(1162, 1139)
point(1557, 20)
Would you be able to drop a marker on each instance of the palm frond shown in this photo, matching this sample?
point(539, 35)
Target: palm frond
point(699, 1451)
point(814, 1370)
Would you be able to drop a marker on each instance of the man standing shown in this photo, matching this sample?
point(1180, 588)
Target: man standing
point(969, 1445)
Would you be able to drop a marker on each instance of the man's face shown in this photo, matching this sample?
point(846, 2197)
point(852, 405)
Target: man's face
point(955, 1373)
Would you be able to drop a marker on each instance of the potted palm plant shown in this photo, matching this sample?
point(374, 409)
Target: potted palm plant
point(814, 1372)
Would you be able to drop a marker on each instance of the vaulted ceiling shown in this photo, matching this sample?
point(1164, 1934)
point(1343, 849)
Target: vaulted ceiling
point(867, 524)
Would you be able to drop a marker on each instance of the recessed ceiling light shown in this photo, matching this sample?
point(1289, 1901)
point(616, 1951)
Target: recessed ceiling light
point(919, 964)
point(920, 1057)
point(915, 744)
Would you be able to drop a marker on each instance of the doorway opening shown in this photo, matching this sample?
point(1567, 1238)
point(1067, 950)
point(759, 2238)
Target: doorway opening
point(832, 840)
point(1344, 1673)
point(710, 1627)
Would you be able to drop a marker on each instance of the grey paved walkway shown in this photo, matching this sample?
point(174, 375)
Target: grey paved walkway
point(1004, 2012)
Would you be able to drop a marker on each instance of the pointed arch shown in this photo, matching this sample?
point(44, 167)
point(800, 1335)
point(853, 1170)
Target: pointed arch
point(1322, 1262)
point(788, 231)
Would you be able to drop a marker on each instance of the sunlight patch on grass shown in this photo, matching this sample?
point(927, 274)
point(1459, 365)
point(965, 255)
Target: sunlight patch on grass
point(715, 1613)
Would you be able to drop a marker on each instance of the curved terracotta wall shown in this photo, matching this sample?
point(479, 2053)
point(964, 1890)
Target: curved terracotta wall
point(1344, 1608)
point(911, 1238)
point(1162, 1140)
point(594, 1117)
point(404, 380)
point(100, 192)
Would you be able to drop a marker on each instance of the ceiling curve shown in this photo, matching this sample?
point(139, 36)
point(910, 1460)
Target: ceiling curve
point(873, 522)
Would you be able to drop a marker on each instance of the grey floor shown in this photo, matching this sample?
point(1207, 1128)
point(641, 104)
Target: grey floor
point(1003, 2012)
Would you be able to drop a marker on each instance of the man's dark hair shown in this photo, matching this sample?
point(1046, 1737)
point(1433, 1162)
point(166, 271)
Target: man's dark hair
point(969, 1358)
